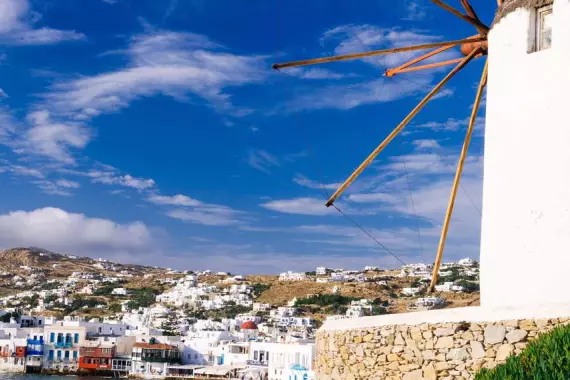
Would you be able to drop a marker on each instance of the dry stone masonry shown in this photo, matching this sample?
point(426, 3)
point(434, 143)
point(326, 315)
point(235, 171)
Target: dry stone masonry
point(427, 351)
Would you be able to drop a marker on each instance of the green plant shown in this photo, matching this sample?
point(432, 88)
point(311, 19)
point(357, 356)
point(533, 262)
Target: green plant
point(259, 288)
point(545, 358)
point(325, 299)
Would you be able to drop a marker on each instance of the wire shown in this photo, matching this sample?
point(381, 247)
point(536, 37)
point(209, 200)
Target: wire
point(368, 234)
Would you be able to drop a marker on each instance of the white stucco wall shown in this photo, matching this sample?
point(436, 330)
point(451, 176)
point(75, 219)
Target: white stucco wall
point(525, 239)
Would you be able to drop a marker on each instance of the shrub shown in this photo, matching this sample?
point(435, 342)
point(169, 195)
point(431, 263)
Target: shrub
point(325, 299)
point(545, 358)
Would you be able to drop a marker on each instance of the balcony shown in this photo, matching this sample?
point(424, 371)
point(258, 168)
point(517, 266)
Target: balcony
point(160, 360)
point(34, 352)
point(63, 344)
point(35, 342)
point(256, 363)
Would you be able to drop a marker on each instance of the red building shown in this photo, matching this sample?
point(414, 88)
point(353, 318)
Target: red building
point(96, 358)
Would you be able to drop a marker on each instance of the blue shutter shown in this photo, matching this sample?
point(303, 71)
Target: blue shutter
point(67, 354)
point(50, 356)
point(59, 353)
point(74, 354)
point(76, 338)
point(52, 337)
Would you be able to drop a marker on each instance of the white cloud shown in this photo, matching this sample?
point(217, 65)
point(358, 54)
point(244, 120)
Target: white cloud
point(3, 94)
point(16, 26)
point(261, 160)
point(58, 230)
point(346, 97)
point(210, 215)
point(67, 184)
point(371, 198)
point(450, 124)
point(305, 182)
point(112, 178)
point(426, 144)
point(414, 11)
point(175, 200)
point(300, 206)
point(26, 171)
point(315, 73)
point(160, 63)
point(53, 139)
point(52, 188)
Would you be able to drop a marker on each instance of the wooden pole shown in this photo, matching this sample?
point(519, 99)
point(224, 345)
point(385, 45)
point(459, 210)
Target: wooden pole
point(482, 28)
point(315, 61)
point(457, 179)
point(429, 66)
point(469, 9)
point(401, 126)
point(397, 70)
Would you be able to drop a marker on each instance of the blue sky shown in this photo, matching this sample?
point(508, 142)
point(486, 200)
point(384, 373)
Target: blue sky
point(156, 132)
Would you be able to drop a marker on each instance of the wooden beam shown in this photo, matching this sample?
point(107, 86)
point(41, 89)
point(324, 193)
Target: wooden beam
point(457, 179)
point(399, 128)
point(482, 28)
point(429, 66)
point(469, 9)
point(346, 57)
point(396, 70)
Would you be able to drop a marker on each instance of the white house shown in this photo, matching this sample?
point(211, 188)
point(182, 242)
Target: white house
point(292, 276)
point(120, 292)
point(449, 287)
point(257, 306)
point(411, 291)
point(466, 262)
point(283, 360)
point(321, 271)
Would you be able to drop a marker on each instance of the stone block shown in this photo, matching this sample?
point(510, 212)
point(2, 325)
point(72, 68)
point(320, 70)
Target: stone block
point(444, 342)
point(516, 335)
point(477, 350)
point(494, 334)
point(504, 351)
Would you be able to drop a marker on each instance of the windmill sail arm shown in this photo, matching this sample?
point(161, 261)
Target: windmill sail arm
point(400, 127)
point(372, 53)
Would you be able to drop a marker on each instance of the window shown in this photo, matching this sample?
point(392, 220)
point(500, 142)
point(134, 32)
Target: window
point(52, 337)
point(74, 354)
point(59, 354)
point(76, 338)
point(544, 28)
point(67, 355)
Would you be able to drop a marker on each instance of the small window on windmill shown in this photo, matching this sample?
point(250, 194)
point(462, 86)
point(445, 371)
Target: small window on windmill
point(544, 28)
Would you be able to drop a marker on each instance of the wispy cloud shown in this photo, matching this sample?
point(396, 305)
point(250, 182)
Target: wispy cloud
point(261, 160)
point(414, 11)
point(112, 178)
point(300, 206)
point(209, 215)
point(160, 62)
point(305, 182)
point(17, 26)
point(174, 200)
point(426, 144)
point(316, 73)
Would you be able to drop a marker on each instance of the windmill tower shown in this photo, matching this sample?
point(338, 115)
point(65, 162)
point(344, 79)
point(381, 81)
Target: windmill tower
point(525, 239)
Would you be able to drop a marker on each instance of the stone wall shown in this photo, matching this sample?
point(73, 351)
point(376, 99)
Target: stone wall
point(425, 351)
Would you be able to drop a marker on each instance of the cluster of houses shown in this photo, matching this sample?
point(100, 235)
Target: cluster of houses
point(132, 347)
